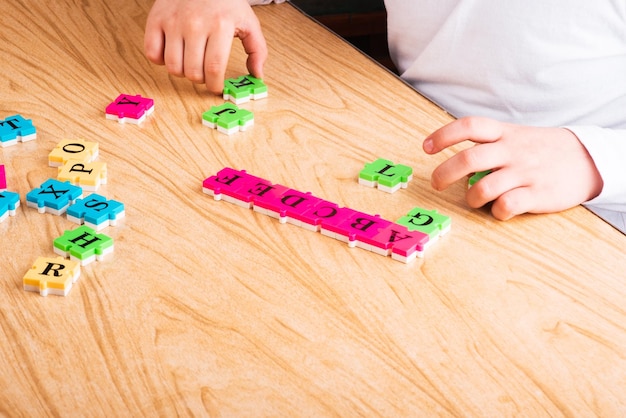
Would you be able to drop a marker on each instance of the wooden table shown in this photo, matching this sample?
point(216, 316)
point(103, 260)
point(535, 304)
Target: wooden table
point(206, 308)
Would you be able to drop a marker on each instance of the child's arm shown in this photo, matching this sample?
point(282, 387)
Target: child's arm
point(193, 38)
point(536, 170)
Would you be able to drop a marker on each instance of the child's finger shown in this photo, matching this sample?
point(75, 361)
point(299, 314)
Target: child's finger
point(476, 129)
point(216, 59)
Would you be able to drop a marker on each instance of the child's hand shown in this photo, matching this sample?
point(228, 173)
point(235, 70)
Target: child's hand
point(193, 38)
point(536, 170)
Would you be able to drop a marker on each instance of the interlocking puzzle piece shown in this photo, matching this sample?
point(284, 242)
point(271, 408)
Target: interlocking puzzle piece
point(228, 118)
point(51, 275)
point(233, 186)
point(87, 175)
point(429, 222)
point(128, 108)
point(363, 229)
point(3, 179)
point(53, 196)
point(267, 200)
point(405, 245)
point(335, 225)
point(242, 89)
point(96, 212)
point(73, 149)
point(312, 217)
point(292, 207)
point(9, 202)
point(83, 245)
point(385, 175)
point(476, 177)
point(15, 128)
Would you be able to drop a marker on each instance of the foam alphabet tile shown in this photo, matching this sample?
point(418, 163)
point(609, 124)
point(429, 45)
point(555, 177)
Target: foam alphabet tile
point(9, 202)
point(267, 200)
point(51, 276)
point(16, 129)
point(53, 196)
point(228, 118)
point(293, 206)
point(242, 89)
point(129, 108)
point(87, 175)
point(336, 225)
point(429, 222)
point(83, 245)
point(476, 177)
point(233, 186)
point(313, 216)
point(96, 211)
point(406, 245)
point(3, 179)
point(363, 229)
point(73, 149)
point(385, 175)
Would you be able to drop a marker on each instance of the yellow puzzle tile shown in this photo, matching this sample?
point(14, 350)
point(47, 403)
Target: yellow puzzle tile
point(51, 275)
point(87, 175)
point(73, 149)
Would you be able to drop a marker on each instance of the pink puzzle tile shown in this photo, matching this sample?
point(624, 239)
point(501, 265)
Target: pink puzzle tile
point(128, 108)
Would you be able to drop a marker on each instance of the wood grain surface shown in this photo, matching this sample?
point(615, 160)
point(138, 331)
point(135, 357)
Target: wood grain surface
point(209, 309)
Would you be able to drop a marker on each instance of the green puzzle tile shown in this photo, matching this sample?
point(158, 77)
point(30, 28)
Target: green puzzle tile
point(228, 118)
point(242, 89)
point(476, 177)
point(427, 221)
point(83, 244)
point(385, 175)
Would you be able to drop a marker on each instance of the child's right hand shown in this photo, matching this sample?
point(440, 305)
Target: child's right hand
point(193, 38)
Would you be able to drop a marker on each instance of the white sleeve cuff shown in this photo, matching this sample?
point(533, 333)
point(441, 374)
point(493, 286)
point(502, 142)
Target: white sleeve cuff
point(607, 148)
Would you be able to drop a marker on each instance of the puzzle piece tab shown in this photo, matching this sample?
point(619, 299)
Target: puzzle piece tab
point(87, 175)
point(429, 222)
point(73, 149)
point(128, 108)
point(385, 175)
point(96, 212)
point(53, 196)
point(228, 118)
point(15, 128)
point(9, 202)
point(233, 186)
point(406, 245)
point(242, 89)
point(83, 245)
point(51, 275)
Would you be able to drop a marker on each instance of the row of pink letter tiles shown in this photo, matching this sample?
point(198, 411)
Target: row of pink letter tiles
point(358, 229)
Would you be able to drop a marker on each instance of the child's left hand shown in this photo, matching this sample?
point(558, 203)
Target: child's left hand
point(537, 170)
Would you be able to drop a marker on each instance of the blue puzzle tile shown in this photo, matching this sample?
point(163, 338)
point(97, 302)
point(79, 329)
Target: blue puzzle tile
point(9, 202)
point(15, 128)
point(96, 212)
point(53, 196)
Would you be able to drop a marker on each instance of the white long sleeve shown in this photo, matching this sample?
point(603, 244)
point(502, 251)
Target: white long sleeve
point(533, 62)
